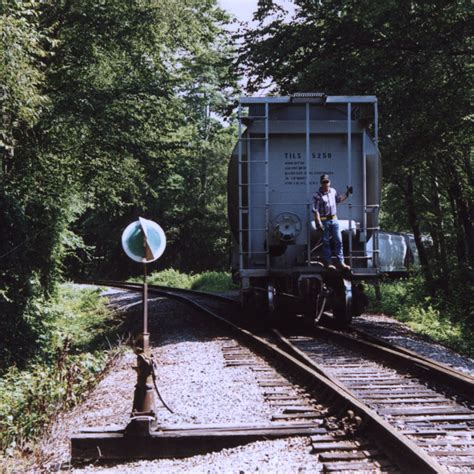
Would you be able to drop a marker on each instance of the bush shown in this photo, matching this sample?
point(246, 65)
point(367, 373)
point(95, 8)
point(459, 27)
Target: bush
point(435, 317)
point(168, 277)
point(23, 324)
point(213, 281)
point(396, 295)
point(429, 322)
point(84, 318)
point(207, 281)
point(29, 399)
point(78, 326)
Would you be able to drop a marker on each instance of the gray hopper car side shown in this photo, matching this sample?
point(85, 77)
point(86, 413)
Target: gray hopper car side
point(285, 144)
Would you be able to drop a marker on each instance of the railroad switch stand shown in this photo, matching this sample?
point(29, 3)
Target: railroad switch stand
point(143, 416)
point(143, 397)
point(143, 437)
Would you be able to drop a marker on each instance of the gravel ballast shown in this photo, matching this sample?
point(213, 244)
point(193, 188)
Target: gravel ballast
point(201, 388)
point(400, 334)
point(196, 383)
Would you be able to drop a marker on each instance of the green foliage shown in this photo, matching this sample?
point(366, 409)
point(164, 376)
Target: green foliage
point(430, 322)
point(21, 79)
point(407, 301)
point(22, 101)
point(169, 277)
point(213, 281)
point(25, 321)
point(196, 222)
point(62, 372)
point(83, 318)
point(149, 130)
point(30, 398)
point(111, 110)
point(207, 281)
point(396, 295)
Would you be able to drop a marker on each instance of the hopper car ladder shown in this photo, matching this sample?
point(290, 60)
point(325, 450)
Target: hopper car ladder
point(246, 252)
point(367, 208)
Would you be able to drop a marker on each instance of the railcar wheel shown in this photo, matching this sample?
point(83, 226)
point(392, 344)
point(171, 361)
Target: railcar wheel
point(342, 305)
point(273, 309)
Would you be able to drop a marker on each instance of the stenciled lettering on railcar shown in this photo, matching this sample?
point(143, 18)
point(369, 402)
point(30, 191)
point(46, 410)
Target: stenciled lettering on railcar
point(295, 167)
point(322, 156)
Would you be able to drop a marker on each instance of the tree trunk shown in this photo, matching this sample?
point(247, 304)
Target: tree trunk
point(413, 221)
point(8, 143)
point(466, 225)
point(464, 213)
point(439, 228)
point(460, 247)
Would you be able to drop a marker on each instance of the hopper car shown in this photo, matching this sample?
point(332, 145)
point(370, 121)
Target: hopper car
point(284, 145)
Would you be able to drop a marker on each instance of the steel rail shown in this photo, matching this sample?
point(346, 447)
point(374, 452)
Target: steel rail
point(400, 448)
point(303, 354)
point(382, 342)
point(459, 381)
point(404, 452)
point(462, 383)
point(135, 286)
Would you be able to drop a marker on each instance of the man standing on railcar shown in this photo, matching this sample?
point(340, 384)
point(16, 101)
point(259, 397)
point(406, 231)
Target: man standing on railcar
point(325, 218)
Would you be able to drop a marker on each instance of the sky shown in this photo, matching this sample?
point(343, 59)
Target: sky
point(243, 9)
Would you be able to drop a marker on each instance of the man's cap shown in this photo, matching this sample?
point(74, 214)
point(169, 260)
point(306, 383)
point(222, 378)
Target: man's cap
point(324, 177)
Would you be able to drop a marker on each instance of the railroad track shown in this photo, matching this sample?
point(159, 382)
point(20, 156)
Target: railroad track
point(423, 428)
point(433, 415)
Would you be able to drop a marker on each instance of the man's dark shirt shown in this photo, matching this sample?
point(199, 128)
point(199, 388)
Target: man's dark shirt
point(325, 203)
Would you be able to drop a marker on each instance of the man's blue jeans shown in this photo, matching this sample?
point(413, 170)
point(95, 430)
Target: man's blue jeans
point(331, 229)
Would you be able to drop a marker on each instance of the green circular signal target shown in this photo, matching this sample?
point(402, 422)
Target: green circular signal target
point(143, 241)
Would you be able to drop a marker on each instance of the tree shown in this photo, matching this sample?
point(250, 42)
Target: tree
point(103, 107)
point(23, 101)
point(150, 131)
point(415, 57)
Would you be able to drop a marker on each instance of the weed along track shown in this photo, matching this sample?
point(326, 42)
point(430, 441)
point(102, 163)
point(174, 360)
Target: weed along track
point(356, 410)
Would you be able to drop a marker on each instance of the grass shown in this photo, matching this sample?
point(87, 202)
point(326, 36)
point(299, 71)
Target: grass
point(407, 301)
point(71, 362)
point(206, 281)
point(84, 318)
point(213, 281)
